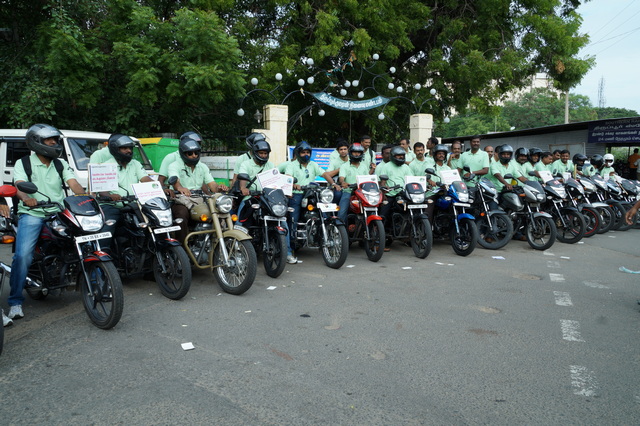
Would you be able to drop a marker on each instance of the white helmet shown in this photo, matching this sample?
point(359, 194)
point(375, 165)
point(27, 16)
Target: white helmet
point(608, 157)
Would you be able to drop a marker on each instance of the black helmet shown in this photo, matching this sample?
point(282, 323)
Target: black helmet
point(35, 140)
point(440, 148)
point(521, 151)
point(356, 147)
point(534, 151)
point(117, 141)
point(189, 142)
point(302, 146)
point(397, 150)
point(505, 149)
point(579, 159)
point(260, 145)
point(253, 138)
point(597, 161)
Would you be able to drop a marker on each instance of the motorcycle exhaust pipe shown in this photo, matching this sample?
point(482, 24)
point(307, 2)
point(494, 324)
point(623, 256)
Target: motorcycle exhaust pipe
point(29, 282)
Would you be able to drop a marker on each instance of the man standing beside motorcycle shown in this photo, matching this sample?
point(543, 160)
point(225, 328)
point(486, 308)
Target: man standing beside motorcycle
point(422, 162)
point(192, 175)
point(347, 176)
point(476, 160)
point(50, 174)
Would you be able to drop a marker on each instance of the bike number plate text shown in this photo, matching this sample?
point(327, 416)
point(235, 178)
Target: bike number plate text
point(327, 207)
point(418, 206)
point(85, 238)
point(169, 229)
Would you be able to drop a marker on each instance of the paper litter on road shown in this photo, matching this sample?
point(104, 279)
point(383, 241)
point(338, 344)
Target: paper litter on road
point(565, 257)
point(444, 264)
point(350, 266)
point(628, 271)
point(271, 287)
point(247, 312)
point(188, 346)
point(407, 267)
point(580, 242)
point(498, 257)
point(548, 253)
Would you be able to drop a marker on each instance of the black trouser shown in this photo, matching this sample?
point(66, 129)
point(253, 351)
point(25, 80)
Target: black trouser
point(180, 211)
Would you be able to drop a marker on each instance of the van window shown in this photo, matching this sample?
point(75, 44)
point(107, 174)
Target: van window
point(16, 149)
point(81, 150)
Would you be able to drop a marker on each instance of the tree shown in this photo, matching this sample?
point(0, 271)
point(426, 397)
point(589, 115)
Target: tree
point(612, 112)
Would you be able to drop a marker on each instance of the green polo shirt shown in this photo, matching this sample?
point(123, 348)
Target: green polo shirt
point(336, 162)
point(369, 157)
point(409, 156)
point(166, 162)
point(283, 166)
point(476, 162)
point(396, 176)
point(418, 167)
point(240, 160)
point(503, 170)
point(524, 169)
point(606, 172)
point(304, 173)
point(48, 181)
point(454, 163)
point(191, 179)
point(539, 167)
point(253, 169)
point(561, 167)
point(128, 175)
point(438, 177)
point(100, 156)
point(349, 172)
point(379, 171)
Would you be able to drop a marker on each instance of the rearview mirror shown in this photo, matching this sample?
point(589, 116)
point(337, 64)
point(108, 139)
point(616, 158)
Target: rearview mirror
point(27, 187)
point(243, 176)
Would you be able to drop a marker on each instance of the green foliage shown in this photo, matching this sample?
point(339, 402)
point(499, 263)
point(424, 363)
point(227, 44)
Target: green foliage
point(611, 112)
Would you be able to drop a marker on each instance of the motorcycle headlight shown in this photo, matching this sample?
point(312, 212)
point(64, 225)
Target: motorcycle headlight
point(224, 204)
point(90, 223)
point(326, 196)
point(164, 217)
point(417, 198)
point(464, 198)
point(539, 196)
point(372, 198)
point(279, 209)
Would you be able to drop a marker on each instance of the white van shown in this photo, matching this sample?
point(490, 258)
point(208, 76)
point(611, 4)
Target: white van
point(78, 147)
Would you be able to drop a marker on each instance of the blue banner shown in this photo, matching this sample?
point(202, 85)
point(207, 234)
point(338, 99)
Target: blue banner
point(615, 131)
point(347, 105)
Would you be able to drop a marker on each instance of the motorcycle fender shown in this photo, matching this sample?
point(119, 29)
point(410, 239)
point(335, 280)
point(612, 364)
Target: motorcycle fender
point(568, 209)
point(494, 212)
point(614, 202)
point(599, 204)
point(372, 218)
point(168, 242)
point(97, 256)
point(238, 235)
point(465, 216)
point(334, 219)
point(542, 214)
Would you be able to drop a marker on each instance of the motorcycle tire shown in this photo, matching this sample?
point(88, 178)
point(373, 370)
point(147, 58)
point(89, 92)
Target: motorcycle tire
point(335, 250)
point(374, 246)
point(618, 221)
point(624, 226)
point(464, 239)
point(275, 259)
point(103, 297)
point(496, 236)
point(592, 221)
point(1, 339)
point(175, 283)
point(607, 219)
point(238, 276)
point(421, 237)
point(541, 233)
point(575, 229)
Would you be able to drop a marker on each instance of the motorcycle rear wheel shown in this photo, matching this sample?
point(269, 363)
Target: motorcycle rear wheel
point(275, 259)
point(618, 218)
point(592, 220)
point(575, 229)
point(541, 233)
point(607, 219)
point(238, 276)
point(103, 297)
point(464, 241)
point(374, 246)
point(623, 221)
point(175, 283)
point(422, 238)
point(336, 248)
point(496, 236)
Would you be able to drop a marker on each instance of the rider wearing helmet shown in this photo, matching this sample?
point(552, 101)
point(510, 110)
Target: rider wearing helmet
point(521, 157)
point(440, 152)
point(44, 140)
point(503, 167)
point(163, 172)
point(534, 155)
point(395, 170)
point(386, 159)
point(607, 170)
point(250, 141)
point(477, 161)
point(347, 176)
point(578, 164)
point(259, 163)
point(596, 162)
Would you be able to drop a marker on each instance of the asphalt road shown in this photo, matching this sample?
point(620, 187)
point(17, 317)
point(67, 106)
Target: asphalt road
point(534, 338)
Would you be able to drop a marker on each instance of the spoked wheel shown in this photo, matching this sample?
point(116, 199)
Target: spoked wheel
point(607, 219)
point(592, 221)
point(541, 233)
point(421, 237)
point(464, 239)
point(275, 258)
point(374, 246)
point(102, 297)
point(238, 275)
point(335, 249)
point(498, 234)
point(574, 229)
point(172, 272)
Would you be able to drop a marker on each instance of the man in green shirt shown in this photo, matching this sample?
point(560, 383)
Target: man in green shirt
point(440, 152)
point(369, 156)
point(504, 166)
point(336, 159)
point(545, 164)
point(408, 154)
point(607, 170)
point(347, 176)
point(476, 160)
point(454, 157)
point(563, 165)
point(522, 164)
point(247, 156)
point(422, 161)
point(44, 141)
point(386, 158)
point(396, 170)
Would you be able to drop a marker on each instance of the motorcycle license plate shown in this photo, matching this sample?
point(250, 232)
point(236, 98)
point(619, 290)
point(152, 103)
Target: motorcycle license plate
point(418, 206)
point(100, 236)
point(462, 204)
point(169, 229)
point(327, 207)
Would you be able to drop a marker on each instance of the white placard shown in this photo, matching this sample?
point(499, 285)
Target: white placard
point(422, 180)
point(274, 179)
point(360, 179)
point(545, 175)
point(148, 190)
point(566, 176)
point(103, 177)
point(450, 176)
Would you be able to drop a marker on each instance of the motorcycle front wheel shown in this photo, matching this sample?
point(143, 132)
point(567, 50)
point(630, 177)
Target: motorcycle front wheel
point(374, 246)
point(541, 232)
point(275, 259)
point(495, 231)
point(463, 240)
point(175, 282)
point(592, 221)
point(623, 221)
point(421, 237)
point(575, 227)
point(607, 219)
point(238, 276)
point(102, 297)
point(335, 249)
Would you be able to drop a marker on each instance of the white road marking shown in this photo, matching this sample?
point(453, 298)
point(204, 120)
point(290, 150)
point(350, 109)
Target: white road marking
point(548, 253)
point(563, 298)
point(583, 382)
point(594, 285)
point(565, 257)
point(556, 277)
point(571, 330)
point(553, 264)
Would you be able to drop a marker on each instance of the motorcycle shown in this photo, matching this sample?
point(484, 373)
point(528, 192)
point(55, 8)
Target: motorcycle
point(522, 204)
point(264, 216)
point(363, 222)
point(617, 193)
point(320, 227)
point(450, 218)
point(495, 228)
point(570, 223)
point(606, 213)
point(143, 245)
point(602, 195)
point(68, 255)
point(578, 200)
point(6, 237)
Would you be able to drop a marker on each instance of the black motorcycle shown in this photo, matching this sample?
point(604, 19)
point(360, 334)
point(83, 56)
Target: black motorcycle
point(578, 200)
point(570, 223)
point(495, 228)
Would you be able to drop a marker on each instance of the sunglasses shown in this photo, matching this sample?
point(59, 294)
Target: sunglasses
point(608, 161)
point(191, 153)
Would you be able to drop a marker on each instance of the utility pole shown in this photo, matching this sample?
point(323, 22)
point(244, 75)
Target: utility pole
point(566, 107)
point(601, 99)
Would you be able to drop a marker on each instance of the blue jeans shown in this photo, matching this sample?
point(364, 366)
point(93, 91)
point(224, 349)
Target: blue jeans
point(29, 228)
point(344, 206)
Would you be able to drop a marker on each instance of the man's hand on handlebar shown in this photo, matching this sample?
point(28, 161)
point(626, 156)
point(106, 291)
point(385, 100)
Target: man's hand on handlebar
point(5, 210)
point(30, 202)
point(184, 191)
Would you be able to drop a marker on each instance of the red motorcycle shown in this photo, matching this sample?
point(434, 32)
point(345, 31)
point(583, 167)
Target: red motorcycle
point(363, 222)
